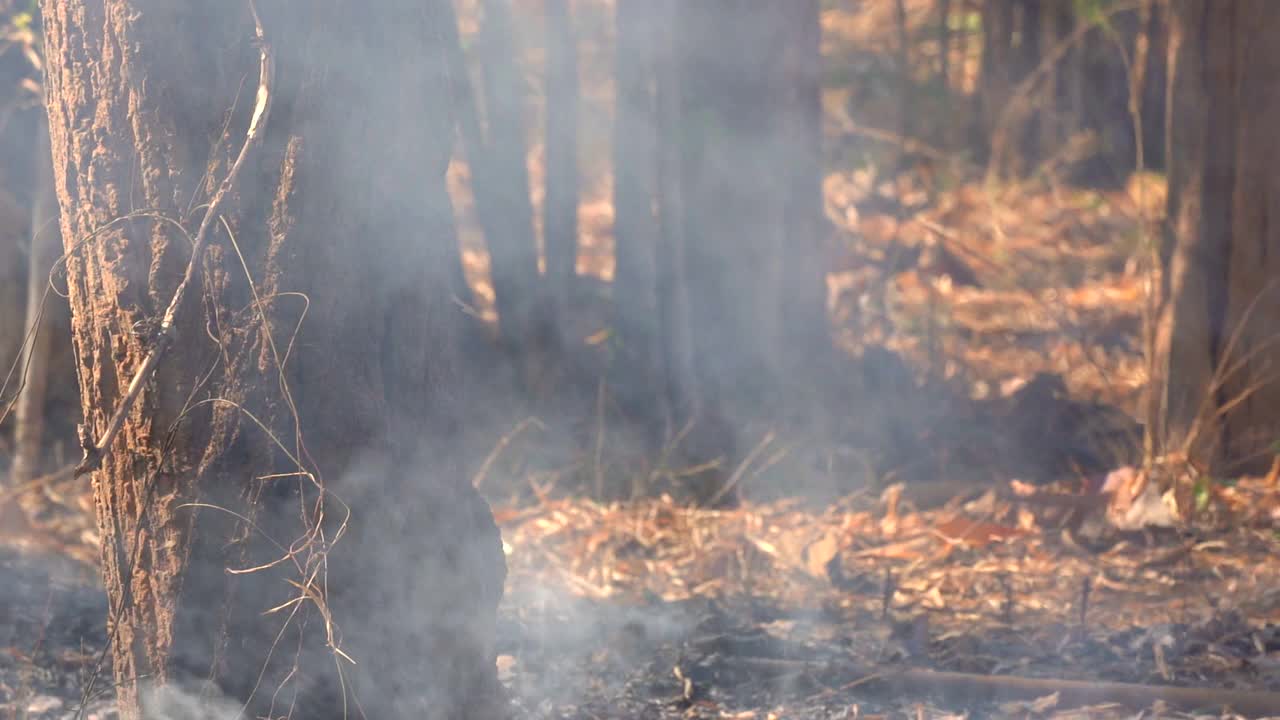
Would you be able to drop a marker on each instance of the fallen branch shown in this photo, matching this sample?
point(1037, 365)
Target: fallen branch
point(970, 688)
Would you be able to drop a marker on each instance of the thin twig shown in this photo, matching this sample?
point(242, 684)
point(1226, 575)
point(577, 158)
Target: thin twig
point(598, 463)
point(503, 442)
point(742, 468)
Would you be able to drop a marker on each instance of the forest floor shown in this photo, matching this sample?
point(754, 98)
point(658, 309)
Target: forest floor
point(652, 609)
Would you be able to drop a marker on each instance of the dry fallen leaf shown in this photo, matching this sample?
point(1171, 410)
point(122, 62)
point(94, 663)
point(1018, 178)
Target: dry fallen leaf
point(820, 553)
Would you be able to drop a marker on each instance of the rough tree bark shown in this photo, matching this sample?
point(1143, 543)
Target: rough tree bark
point(1214, 389)
point(314, 369)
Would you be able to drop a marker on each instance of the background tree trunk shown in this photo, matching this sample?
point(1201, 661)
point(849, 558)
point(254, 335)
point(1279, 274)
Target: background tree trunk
point(36, 360)
point(995, 78)
point(15, 158)
point(1197, 231)
point(637, 366)
point(560, 203)
point(1214, 383)
point(944, 44)
point(805, 337)
point(906, 83)
point(513, 251)
point(13, 267)
point(341, 232)
point(1251, 428)
point(749, 164)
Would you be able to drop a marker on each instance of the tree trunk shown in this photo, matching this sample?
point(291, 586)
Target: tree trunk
point(1213, 383)
point(13, 226)
point(684, 408)
point(995, 81)
point(944, 45)
point(906, 83)
point(509, 231)
point(637, 365)
point(14, 216)
point(560, 203)
point(37, 356)
point(1155, 81)
point(1251, 381)
point(805, 335)
point(749, 216)
point(300, 424)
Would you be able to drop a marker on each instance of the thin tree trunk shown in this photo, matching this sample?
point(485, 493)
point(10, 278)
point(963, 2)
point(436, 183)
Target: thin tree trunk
point(560, 203)
point(994, 78)
point(1057, 123)
point(513, 251)
point(13, 225)
point(637, 368)
point(804, 338)
point(1155, 85)
point(686, 402)
point(16, 131)
point(750, 168)
point(906, 88)
point(301, 423)
point(36, 358)
point(672, 285)
point(1189, 333)
point(1141, 58)
point(1029, 55)
point(944, 44)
